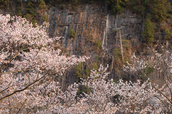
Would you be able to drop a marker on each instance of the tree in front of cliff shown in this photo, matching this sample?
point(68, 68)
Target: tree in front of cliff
point(160, 66)
point(29, 65)
point(106, 96)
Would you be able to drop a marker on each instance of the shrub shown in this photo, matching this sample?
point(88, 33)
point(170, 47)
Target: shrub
point(98, 44)
point(116, 6)
point(95, 66)
point(72, 33)
point(78, 70)
point(28, 16)
point(41, 4)
point(3, 3)
point(19, 11)
point(159, 9)
point(148, 30)
point(45, 18)
point(117, 53)
point(34, 21)
point(83, 88)
point(87, 72)
point(168, 34)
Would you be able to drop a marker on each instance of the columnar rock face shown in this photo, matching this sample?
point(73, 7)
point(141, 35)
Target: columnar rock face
point(86, 26)
point(92, 23)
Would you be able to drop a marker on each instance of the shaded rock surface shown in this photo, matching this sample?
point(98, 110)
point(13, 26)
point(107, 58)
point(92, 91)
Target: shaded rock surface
point(91, 24)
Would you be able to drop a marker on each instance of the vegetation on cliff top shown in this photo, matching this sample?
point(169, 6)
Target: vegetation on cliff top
point(158, 10)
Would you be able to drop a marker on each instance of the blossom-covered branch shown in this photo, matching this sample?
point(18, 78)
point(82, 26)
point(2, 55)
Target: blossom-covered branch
point(28, 63)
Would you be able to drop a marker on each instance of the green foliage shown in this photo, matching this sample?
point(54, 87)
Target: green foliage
point(30, 9)
point(115, 81)
point(139, 6)
point(96, 58)
point(116, 31)
point(30, 6)
point(159, 9)
point(72, 33)
point(95, 66)
point(148, 30)
point(78, 70)
point(117, 6)
point(74, 2)
point(62, 6)
point(19, 11)
point(84, 89)
point(19, 8)
point(117, 53)
point(142, 10)
point(3, 3)
point(148, 70)
point(168, 34)
point(41, 4)
point(87, 72)
point(98, 44)
point(45, 18)
point(34, 21)
point(126, 60)
point(34, 14)
point(28, 16)
point(11, 14)
point(117, 58)
point(53, 2)
point(89, 37)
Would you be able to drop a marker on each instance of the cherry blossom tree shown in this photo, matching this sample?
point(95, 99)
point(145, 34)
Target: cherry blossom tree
point(128, 97)
point(160, 63)
point(106, 96)
point(29, 63)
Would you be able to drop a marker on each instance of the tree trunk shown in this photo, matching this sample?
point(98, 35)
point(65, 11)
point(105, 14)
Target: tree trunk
point(121, 46)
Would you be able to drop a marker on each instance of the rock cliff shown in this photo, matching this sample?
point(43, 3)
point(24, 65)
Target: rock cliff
point(92, 23)
point(92, 30)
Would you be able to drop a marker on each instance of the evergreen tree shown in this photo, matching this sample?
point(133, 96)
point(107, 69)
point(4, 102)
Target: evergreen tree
point(148, 30)
point(41, 4)
point(30, 6)
point(159, 9)
point(19, 7)
point(116, 6)
point(3, 3)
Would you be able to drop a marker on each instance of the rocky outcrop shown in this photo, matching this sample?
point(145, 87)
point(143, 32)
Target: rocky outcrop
point(92, 23)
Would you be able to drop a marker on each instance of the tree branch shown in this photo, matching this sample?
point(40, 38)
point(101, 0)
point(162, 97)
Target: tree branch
point(17, 91)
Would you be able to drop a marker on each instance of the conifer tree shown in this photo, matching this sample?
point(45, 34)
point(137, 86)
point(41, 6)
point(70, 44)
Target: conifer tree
point(148, 30)
point(30, 6)
point(159, 9)
point(3, 3)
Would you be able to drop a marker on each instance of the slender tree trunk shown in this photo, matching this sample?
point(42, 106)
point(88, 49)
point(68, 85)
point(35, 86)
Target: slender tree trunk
point(121, 46)
point(167, 43)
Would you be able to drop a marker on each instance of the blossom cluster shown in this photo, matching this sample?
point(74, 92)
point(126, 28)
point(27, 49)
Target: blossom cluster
point(106, 96)
point(28, 64)
point(160, 63)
